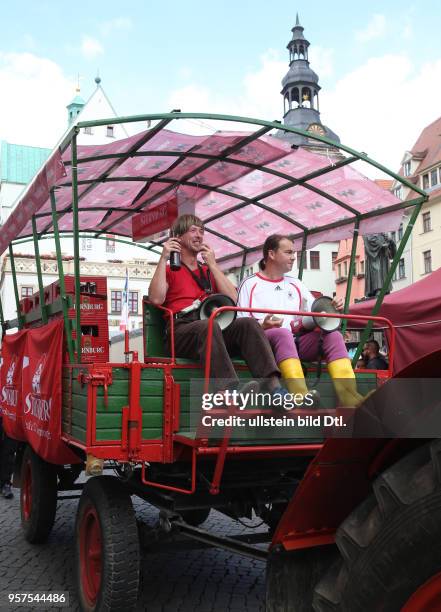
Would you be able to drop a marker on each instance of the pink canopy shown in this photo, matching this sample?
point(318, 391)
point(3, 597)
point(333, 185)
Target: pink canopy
point(244, 185)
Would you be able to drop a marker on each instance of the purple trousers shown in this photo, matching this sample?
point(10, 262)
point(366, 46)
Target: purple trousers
point(284, 347)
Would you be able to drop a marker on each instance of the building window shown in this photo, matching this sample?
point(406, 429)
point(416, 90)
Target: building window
point(393, 235)
point(427, 224)
point(299, 258)
point(345, 265)
point(26, 291)
point(406, 168)
point(110, 245)
point(133, 302)
point(425, 181)
point(361, 267)
point(115, 302)
point(400, 232)
point(339, 270)
point(434, 177)
point(109, 132)
point(399, 192)
point(427, 255)
point(88, 130)
point(314, 259)
point(334, 257)
point(401, 269)
point(86, 244)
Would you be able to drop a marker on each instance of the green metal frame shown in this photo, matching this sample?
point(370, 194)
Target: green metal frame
point(190, 179)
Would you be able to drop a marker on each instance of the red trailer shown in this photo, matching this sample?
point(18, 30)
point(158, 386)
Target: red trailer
point(351, 518)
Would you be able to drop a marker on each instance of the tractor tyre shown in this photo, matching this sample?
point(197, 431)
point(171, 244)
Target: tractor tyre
point(292, 575)
point(107, 547)
point(38, 497)
point(390, 558)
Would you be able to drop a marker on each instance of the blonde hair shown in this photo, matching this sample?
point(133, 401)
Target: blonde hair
point(183, 224)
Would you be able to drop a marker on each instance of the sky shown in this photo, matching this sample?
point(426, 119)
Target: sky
point(379, 63)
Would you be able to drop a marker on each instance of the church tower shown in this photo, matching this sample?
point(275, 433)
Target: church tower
point(75, 107)
point(300, 91)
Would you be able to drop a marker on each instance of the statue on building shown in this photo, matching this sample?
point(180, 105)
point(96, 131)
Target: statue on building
point(379, 250)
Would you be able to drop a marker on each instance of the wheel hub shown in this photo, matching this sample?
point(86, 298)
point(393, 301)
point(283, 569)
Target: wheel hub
point(90, 554)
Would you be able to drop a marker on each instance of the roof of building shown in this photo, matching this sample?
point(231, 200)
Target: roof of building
point(19, 163)
point(428, 146)
point(384, 183)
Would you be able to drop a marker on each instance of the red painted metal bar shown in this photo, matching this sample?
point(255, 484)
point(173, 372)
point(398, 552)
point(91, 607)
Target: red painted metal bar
point(158, 485)
point(301, 313)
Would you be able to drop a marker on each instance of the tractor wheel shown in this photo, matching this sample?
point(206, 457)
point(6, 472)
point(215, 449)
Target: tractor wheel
point(291, 576)
point(107, 547)
point(195, 517)
point(38, 497)
point(389, 553)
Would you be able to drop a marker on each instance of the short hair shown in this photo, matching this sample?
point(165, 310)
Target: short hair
point(271, 244)
point(374, 343)
point(183, 224)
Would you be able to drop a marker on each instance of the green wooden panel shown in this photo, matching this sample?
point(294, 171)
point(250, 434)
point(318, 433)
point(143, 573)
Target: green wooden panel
point(115, 434)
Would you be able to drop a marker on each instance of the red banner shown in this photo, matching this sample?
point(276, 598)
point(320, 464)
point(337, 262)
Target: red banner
point(42, 393)
point(13, 350)
point(154, 220)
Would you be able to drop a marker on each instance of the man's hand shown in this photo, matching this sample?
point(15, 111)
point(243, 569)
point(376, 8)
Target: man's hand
point(271, 321)
point(172, 244)
point(208, 255)
point(338, 304)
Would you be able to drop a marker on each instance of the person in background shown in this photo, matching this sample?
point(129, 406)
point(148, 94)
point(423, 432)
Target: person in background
point(275, 288)
point(178, 289)
point(372, 359)
point(7, 454)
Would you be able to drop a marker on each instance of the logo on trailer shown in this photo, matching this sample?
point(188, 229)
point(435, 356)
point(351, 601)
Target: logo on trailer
point(36, 403)
point(9, 392)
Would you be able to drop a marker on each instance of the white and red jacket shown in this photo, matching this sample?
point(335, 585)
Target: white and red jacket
point(285, 293)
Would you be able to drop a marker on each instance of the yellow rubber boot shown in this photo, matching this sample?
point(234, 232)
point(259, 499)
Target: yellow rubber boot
point(345, 384)
point(292, 372)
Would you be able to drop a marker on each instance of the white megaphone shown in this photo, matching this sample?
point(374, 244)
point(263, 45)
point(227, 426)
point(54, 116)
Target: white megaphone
point(321, 305)
point(216, 300)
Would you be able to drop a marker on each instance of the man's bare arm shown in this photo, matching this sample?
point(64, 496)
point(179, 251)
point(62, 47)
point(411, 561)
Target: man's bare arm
point(158, 287)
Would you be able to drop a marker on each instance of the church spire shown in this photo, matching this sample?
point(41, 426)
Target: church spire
point(300, 91)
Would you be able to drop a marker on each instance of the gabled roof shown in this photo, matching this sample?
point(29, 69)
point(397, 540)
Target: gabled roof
point(19, 163)
point(428, 146)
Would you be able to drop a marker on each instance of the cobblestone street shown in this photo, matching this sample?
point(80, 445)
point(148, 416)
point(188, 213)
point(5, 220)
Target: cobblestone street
point(177, 580)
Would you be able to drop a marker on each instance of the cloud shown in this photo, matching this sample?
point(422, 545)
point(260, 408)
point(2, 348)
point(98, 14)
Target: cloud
point(33, 102)
point(119, 24)
point(91, 47)
point(376, 108)
point(374, 29)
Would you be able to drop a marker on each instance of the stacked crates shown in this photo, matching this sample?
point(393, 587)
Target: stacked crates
point(93, 308)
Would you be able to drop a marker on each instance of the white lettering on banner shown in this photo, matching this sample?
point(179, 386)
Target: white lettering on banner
point(10, 396)
point(88, 306)
point(90, 350)
point(38, 407)
point(42, 433)
point(155, 215)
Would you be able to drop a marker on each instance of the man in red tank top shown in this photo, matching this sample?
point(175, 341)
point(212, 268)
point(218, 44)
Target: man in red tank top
point(178, 289)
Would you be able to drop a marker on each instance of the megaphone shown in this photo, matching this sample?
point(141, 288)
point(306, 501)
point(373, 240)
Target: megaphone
point(322, 304)
point(216, 300)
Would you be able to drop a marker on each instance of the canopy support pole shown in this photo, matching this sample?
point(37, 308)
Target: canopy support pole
point(2, 319)
point(242, 268)
point(303, 255)
point(14, 280)
point(76, 244)
point(367, 331)
point(39, 275)
point(67, 326)
point(351, 273)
